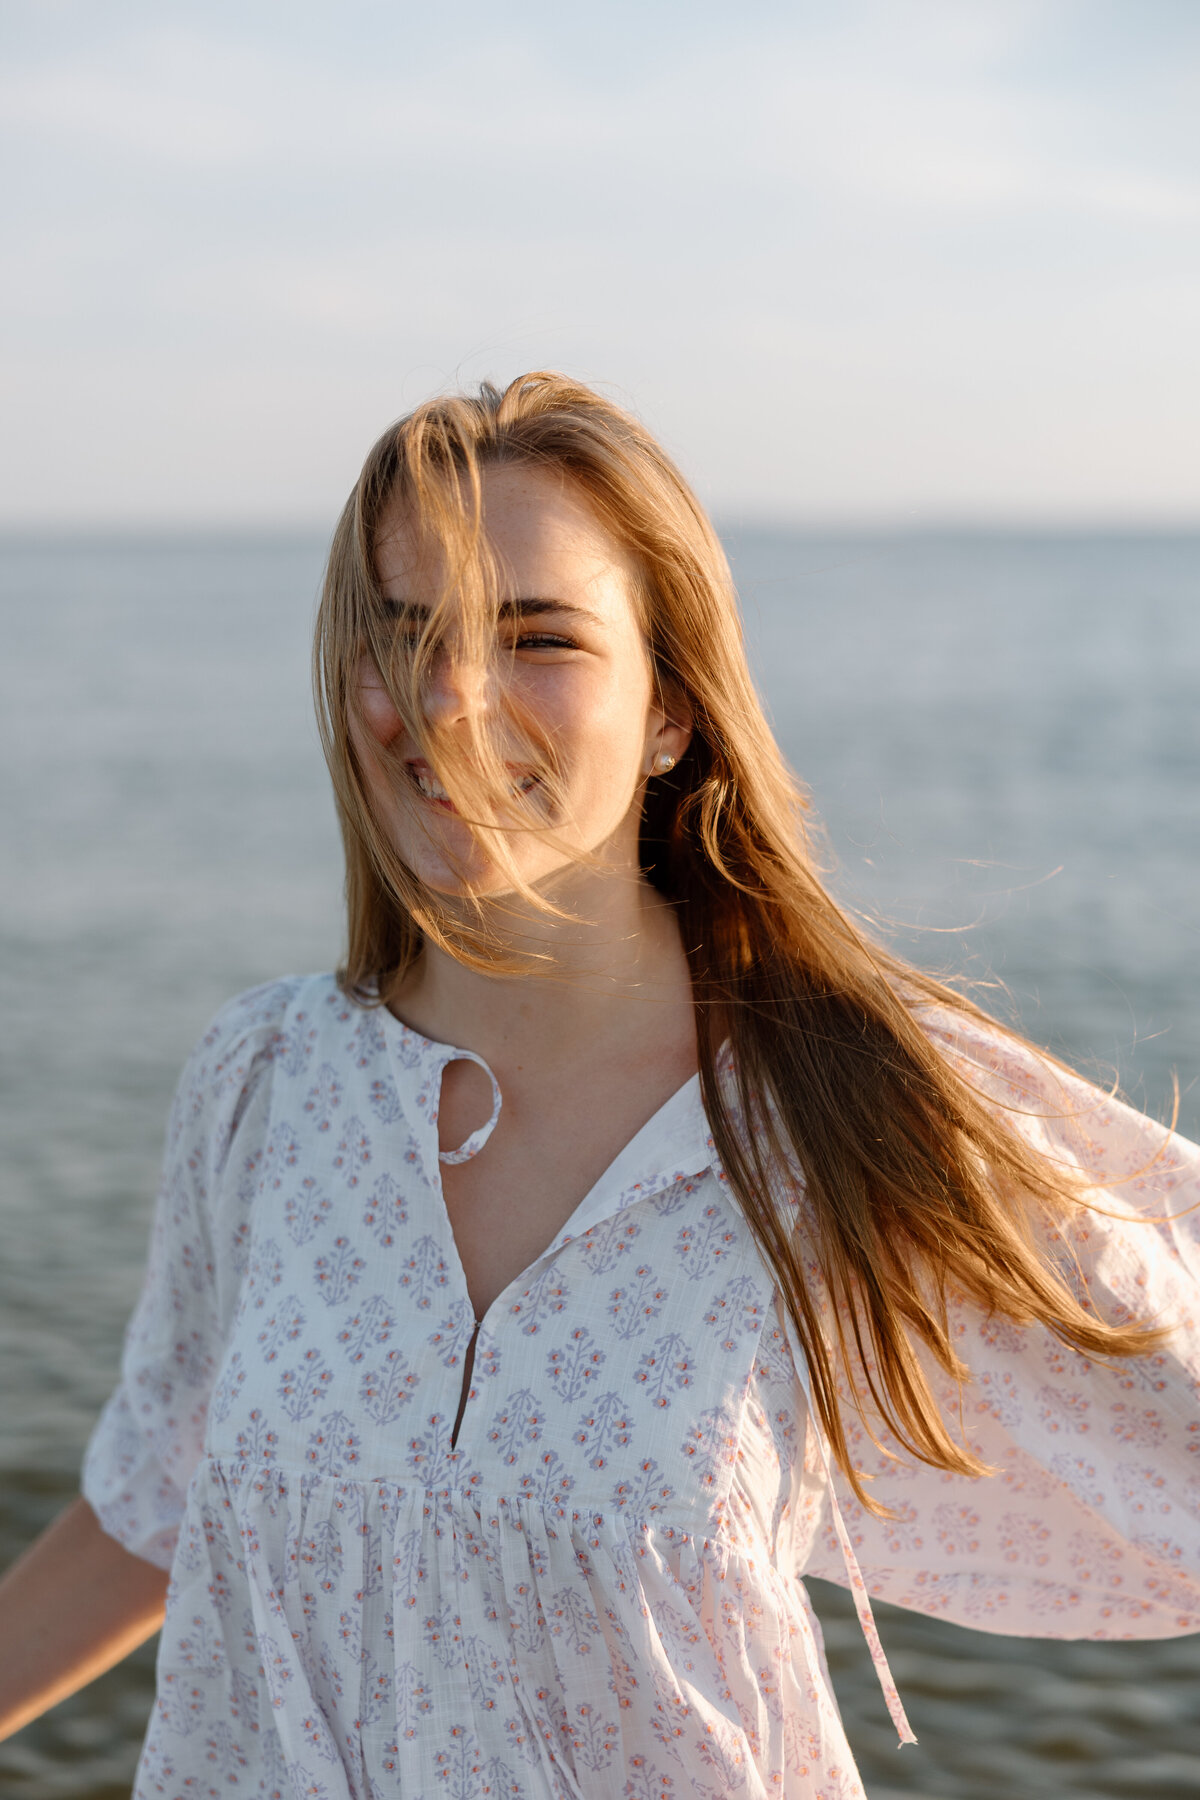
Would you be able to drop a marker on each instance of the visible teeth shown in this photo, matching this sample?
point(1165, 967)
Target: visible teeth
point(429, 785)
point(432, 788)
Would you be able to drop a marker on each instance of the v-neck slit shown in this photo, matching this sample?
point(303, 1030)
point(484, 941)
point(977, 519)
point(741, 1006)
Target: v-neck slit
point(671, 1125)
point(465, 1391)
point(630, 1154)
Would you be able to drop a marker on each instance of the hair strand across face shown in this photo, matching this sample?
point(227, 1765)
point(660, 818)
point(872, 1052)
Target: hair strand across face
point(816, 1073)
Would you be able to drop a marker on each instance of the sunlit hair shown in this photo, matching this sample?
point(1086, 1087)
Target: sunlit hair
point(811, 1054)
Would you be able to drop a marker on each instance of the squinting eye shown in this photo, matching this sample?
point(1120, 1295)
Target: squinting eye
point(543, 640)
point(409, 641)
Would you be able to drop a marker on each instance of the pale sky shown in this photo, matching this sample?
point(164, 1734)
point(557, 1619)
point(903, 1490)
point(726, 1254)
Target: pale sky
point(855, 260)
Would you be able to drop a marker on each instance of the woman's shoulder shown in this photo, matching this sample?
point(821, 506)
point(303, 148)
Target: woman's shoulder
point(257, 1020)
point(1067, 1115)
point(247, 1037)
point(1040, 1097)
point(991, 1055)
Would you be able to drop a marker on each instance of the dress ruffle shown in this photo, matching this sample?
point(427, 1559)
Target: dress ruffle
point(532, 1621)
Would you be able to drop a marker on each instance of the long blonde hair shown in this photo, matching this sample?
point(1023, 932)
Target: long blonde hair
point(914, 1185)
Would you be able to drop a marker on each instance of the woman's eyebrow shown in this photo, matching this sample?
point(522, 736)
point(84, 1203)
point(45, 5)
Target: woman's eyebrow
point(521, 608)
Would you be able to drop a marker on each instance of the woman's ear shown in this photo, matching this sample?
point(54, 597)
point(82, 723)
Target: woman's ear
point(669, 728)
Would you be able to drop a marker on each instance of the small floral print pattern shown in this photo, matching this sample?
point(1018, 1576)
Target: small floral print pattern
point(1090, 1526)
point(594, 1590)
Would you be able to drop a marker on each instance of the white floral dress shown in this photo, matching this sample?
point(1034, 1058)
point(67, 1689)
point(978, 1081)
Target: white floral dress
point(594, 1590)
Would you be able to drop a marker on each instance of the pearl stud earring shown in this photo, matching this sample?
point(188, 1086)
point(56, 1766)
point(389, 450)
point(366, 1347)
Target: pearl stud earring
point(664, 763)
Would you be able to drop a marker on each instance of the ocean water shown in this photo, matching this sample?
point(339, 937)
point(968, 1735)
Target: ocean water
point(1002, 737)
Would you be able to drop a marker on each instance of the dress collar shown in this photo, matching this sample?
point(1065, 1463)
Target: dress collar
point(671, 1146)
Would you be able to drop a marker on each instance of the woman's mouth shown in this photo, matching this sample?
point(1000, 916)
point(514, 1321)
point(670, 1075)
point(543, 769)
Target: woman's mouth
point(431, 789)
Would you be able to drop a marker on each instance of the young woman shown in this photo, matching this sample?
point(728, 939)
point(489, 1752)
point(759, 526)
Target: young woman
point(620, 1235)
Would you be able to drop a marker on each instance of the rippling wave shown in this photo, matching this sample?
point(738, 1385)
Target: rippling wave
point(1003, 736)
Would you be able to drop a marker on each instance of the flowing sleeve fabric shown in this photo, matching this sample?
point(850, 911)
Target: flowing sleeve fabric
point(1090, 1525)
point(150, 1435)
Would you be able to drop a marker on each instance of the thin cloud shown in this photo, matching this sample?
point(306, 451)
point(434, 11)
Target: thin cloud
point(891, 258)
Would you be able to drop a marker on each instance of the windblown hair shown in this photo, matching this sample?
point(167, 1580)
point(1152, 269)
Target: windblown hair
point(812, 1057)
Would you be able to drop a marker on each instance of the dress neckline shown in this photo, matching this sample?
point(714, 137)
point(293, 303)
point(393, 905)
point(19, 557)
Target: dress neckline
point(672, 1144)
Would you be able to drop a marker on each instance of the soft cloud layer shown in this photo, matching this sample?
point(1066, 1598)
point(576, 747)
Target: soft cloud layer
point(901, 259)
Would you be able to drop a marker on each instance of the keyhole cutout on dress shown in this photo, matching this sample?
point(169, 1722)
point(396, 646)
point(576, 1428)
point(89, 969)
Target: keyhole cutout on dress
point(468, 1107)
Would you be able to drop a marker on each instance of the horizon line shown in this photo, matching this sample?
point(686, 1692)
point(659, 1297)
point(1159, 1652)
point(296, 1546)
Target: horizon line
point(728, 522)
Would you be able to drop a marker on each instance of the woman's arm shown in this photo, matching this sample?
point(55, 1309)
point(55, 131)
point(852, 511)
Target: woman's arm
point(85, 1594)
point(74, 1604)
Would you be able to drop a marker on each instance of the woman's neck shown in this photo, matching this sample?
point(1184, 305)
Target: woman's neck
point(622, 970)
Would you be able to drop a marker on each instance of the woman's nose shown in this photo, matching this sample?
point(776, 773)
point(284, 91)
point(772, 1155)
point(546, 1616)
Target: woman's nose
point(455, 689)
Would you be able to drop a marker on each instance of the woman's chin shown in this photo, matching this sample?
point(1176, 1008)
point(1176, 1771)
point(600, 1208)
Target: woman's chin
point(472, 878)
point(476, 878)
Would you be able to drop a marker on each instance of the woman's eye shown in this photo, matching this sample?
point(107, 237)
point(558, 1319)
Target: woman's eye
point(409, 639)
point(542, 640)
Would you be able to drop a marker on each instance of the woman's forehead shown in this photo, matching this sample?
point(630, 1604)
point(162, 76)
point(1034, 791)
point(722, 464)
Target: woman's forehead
point(541, 536)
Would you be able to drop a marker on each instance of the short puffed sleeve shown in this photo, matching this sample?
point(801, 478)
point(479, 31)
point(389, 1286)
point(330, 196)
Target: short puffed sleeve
point(1090, 1525)
point(150, 1435)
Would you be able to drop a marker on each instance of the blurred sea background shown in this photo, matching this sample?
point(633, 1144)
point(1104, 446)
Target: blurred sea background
point(1001, 733)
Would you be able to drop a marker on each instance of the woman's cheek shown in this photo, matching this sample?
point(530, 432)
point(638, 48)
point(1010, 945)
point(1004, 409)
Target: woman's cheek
point(379, 715)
